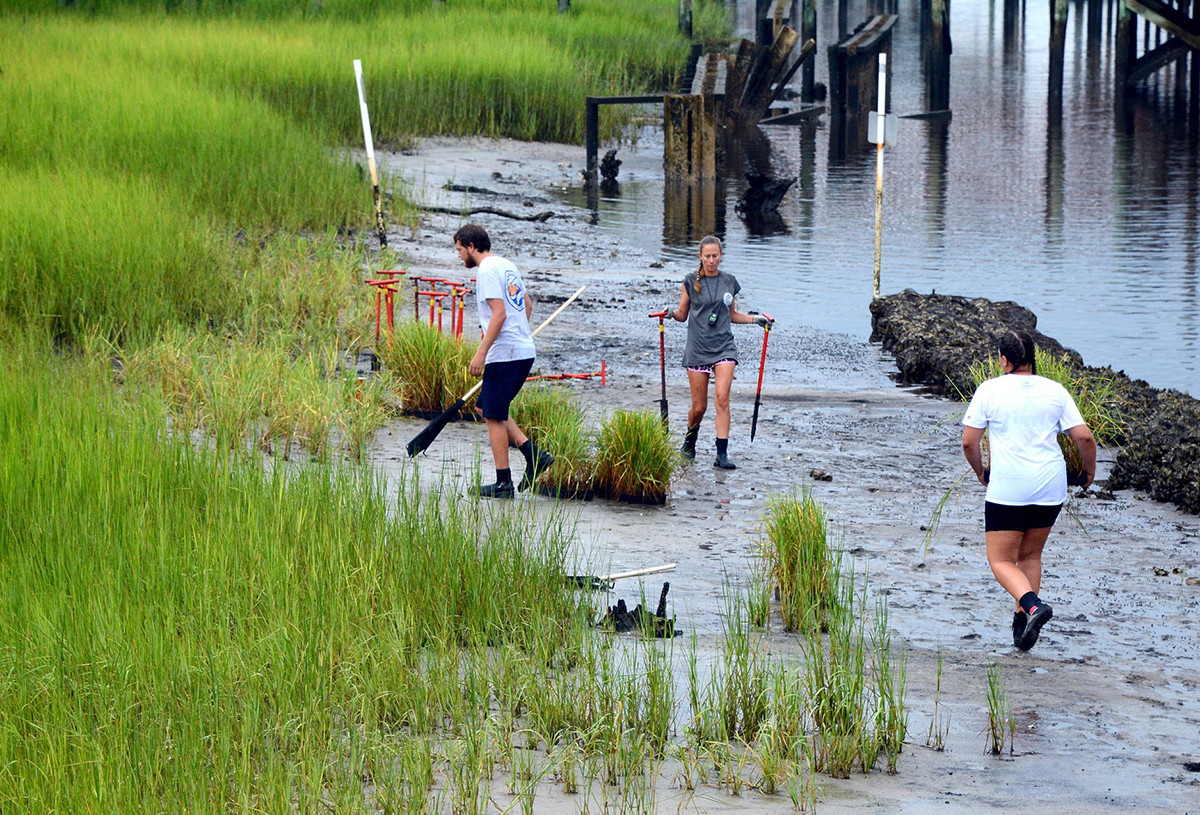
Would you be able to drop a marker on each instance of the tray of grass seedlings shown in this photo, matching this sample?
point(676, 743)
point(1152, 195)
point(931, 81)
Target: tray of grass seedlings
point(553, 417)
point(635, 458)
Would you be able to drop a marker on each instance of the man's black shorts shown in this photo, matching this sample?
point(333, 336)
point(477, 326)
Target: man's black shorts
point(502, 382)
point(1004, 517)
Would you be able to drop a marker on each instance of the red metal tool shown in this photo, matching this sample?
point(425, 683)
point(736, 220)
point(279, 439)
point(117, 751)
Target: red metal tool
point(602, 373)
point(662, 360)
point(761, 367)
point(385, 290)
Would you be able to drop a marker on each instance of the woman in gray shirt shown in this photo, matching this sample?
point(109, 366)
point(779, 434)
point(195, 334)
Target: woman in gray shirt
point(707, 306)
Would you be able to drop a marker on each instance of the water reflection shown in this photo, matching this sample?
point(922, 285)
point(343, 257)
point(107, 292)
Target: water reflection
point(1088, 218)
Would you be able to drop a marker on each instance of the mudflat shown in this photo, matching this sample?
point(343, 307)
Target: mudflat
point(1107, 704)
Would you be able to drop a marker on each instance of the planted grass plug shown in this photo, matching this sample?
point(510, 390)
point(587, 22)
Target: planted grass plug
point(635, 458)
point(804, 566)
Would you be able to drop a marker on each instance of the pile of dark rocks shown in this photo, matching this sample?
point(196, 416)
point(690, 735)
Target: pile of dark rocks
point(935, 339)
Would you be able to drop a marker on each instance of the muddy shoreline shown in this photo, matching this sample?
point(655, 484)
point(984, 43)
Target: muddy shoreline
point(1108, 703)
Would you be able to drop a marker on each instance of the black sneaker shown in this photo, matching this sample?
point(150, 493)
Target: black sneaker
point(723, 462)
point(1018, 627)
point(497, 490)
point(541, 462)
point(1040, 615)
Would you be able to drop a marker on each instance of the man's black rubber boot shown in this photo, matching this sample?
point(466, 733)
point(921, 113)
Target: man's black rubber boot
point(1018, 627)
point(689, 442)
point(501, 489)
point(723, 462)
point(538, 463)
point(1039, 616)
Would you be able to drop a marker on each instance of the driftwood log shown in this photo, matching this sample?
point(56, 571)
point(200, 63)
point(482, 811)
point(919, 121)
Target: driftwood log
point(540, 216)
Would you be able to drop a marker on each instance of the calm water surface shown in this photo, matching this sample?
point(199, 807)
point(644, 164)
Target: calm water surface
point(1094, 229)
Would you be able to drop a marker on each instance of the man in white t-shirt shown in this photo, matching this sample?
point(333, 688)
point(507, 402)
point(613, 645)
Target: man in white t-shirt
point(505, 355)
point(1027, 482)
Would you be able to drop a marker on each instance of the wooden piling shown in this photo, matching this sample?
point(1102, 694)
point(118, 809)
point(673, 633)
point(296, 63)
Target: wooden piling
point(936, 49)
point(1058, 42)
point(685, 18)
point(1194, 104)
point(564, 6)
point(690, 137)
point(808, 31)
point(591, 124)
point(758, 93)
point(843, 19)
point(762, 22)
point(853, 66)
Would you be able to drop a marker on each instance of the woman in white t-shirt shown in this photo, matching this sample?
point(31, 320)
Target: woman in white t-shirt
point(1027, 481)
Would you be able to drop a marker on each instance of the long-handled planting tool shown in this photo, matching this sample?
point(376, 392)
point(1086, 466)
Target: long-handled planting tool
point(425, 438)
point(761, 367)
point(662, 362)
point(606, 581)
point(366, 123)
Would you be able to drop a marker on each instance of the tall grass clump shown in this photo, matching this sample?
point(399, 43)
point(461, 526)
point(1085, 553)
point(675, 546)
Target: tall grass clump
point(188, 630)
point(803, 565)
point(430, 367)
point(635, 457)
point(553, 417)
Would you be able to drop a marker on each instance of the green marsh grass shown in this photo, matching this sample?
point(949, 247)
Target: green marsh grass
point(137, 145)
point(553, 417)
point(266, 392)
point(635, 456)
point(174, 609)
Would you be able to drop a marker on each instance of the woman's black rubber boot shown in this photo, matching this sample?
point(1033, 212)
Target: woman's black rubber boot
point(723, 461)
point(689, 442)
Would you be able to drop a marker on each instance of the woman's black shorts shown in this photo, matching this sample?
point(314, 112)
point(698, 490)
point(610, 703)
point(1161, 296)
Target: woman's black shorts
point(1004, 517)
point(502, 382)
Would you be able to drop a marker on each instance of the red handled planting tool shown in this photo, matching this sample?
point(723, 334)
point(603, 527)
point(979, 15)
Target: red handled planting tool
point(761, 367)
point(662, 360)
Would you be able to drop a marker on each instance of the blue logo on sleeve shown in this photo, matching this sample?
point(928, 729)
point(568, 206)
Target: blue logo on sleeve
point(514, 292)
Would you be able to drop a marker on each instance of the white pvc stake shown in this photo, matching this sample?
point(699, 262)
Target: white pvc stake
point(880, 130)
point(366, 123)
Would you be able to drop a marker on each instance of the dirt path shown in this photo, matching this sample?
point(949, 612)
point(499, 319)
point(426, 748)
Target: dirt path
point(1108, 703)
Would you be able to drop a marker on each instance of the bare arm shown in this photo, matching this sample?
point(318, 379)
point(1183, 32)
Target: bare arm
point(528, 306)
point(736, 316)
point(680, 314)
point(973, 450)
point(1086, 443)
point(493, 331)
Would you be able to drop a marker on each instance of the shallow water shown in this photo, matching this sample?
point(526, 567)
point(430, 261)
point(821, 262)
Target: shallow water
point(1094, 229)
